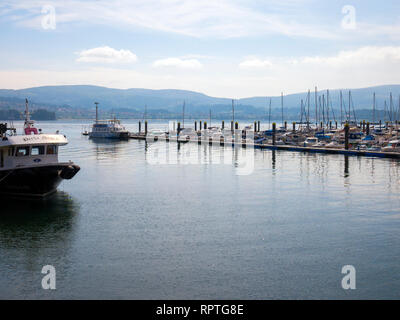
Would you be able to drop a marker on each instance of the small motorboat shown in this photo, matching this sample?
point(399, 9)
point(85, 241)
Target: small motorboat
point(393, 146)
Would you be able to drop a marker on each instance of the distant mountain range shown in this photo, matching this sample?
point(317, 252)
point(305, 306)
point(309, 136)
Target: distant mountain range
point(79, 100)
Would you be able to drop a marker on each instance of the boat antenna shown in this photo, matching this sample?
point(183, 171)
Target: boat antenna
point(27, 115)
point(97, 111)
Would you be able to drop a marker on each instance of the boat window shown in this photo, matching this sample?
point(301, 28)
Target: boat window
point(22, 151)
point(37, 150)
point(51, 149)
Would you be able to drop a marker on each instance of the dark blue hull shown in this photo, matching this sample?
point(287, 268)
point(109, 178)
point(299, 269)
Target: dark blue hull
point(35, 181)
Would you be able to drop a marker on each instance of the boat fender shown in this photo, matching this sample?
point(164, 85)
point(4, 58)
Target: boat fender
point(69, 172)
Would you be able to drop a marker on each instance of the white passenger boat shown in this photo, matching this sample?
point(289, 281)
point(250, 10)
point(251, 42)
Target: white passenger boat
point(108, 129)
point(29, 161)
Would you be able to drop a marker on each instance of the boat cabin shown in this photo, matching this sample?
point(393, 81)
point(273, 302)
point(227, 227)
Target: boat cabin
point(24, 151)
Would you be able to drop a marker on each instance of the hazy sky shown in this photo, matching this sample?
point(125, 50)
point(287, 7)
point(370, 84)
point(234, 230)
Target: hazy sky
point(222, 48)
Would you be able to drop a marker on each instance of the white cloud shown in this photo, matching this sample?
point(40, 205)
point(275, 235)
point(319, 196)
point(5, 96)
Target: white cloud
point(206, 18)
point(255, 63)
point(178, 62)
point(365, 55)
point(106, 55)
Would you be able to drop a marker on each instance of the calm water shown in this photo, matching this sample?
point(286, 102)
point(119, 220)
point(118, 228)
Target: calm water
point(131, 226)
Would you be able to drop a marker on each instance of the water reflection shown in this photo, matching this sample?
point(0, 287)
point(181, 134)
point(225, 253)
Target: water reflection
point(346, 166)
point(106, 148)
point(27, 224)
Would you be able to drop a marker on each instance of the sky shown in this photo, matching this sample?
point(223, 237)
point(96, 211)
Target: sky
point(232, 49)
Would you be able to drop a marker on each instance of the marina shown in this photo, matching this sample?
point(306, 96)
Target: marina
point(195, 156)
point(145, 227)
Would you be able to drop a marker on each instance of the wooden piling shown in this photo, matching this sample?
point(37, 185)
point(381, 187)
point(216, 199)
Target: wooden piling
point(140, 126)
point(346, 136)
point(255, 126)
point(145, 128)
point(273, 133)
point(205, 125)
point(285, 125)
point(236, 125)
point(179, 129)
point(367, 128)
point(258, 130)
point(195, 126)
point(294, 127)
point(223, 125)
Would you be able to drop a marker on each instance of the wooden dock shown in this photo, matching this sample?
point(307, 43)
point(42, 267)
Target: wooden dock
point(354, 152)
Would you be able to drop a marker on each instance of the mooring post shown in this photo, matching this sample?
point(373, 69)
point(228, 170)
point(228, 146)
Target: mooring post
point(285, 125)
point(321, 125)
point(205, 125)
point(255, 126)
point(179, 129)
point(140, 127)
point(367, 128)
point(258, 130)
point(294, 127)
point(363, 125)
point(330, 124)
point(223, 125)
point(145, 128)
point(232, 126)
point(200, 126)
point(195, 126)
point(273, 133)
point(236, 125)
point(336, 124)
point(346, 136)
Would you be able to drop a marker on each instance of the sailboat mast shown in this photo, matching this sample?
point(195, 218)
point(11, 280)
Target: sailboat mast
point(183, 114)
point(349, 105)
point(327, 105)
point(391, 117)
point(316, 107)
point(308, 110)
point(341, 108)
point(282, 107)
point(373, 109)
point(269, 115)
point(233, 112)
